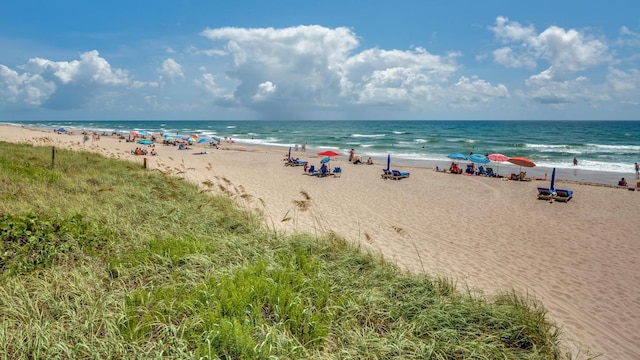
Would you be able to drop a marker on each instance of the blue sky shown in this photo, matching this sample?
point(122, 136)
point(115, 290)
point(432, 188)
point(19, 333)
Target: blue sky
point(342, 60)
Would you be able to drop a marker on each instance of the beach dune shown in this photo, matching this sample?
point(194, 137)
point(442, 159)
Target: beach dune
point(581, 259)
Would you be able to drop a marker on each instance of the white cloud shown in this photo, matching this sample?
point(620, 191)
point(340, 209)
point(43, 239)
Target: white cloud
point(509, 58)
point(170, 70)
point(471, 92)
point(61, 84)
point(264, 91)
point(546, 88)
point(565, 50)
point(321, 67)
point(21, 91)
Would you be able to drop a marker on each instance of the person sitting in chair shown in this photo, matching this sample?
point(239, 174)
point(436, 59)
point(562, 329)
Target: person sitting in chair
point(622, 182)
point(323, 170)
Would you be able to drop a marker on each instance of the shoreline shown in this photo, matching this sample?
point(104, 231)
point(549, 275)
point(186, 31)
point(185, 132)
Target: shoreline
point(569, 173)
point(580, 259)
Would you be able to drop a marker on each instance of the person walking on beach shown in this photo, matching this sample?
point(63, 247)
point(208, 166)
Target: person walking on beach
point(575, 161)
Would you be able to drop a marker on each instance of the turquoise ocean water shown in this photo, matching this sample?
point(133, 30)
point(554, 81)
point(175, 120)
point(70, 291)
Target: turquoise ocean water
point(600, 146)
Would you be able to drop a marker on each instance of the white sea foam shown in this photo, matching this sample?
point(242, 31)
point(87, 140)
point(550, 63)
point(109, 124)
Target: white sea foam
point(368, 135)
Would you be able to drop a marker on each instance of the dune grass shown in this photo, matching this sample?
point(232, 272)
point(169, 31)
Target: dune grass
point(103, 259)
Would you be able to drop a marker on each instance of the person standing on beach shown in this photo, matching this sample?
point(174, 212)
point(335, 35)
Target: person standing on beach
point(637, 170)
point(575, 161)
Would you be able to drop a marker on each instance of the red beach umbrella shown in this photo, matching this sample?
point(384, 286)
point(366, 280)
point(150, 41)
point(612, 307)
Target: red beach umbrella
point(328, 153)
point(522, 161)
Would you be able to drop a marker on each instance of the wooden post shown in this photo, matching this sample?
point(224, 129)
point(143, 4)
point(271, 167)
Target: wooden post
point(145, 163)
point(53, 156)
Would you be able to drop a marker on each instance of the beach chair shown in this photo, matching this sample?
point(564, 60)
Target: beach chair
point(337, 171)
point(545, 193)
point(397, 174)
point(490, 172)
point(563, 195)
point(312, 171)
point(386, 174)
point(296, 162)
point(523, 176)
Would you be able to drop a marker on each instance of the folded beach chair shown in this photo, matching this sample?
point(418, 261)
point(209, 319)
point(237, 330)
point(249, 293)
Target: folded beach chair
point(545, 193)
point(397, 174)
point(563, 195)
point(386, 174)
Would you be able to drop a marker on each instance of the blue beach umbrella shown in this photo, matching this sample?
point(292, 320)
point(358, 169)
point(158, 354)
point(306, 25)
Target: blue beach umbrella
point(479, 159)
point(552, 187)
point(325, 160)
point(203, 140)
point(458, 156)
point(215, 138)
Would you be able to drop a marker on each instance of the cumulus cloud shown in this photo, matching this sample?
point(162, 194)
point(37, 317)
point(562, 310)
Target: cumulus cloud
point(170, 70)
point(315, 66)
point(546, 88)
point(60, 84)
point(565, 50)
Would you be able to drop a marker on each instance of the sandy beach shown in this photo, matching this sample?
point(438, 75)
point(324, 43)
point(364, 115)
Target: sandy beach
point(581, 259)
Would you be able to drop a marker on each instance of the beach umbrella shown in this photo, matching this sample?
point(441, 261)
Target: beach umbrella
point(215, 138)
point(498, 158)
point(458, 156)
point(145, 142)
point(143, 132)
point(203, 140)
point(388, 161)
point(552, 187)
point(328, 153)
point(325, 160)
point(289, 156)
point(479, 159)
point(61, 129)
point(522, 161)
point(134, 133)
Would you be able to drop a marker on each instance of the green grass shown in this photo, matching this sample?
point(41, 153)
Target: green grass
point(103, 259)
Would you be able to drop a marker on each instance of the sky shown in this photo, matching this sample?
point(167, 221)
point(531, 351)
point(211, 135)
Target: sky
point(319, 60)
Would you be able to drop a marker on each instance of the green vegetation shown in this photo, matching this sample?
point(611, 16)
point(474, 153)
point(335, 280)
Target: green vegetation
point(103, 259)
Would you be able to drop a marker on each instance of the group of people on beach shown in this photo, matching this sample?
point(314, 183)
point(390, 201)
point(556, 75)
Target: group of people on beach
point(141, 151)
point(357, 159)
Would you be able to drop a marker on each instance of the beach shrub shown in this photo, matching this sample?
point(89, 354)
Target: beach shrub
point(29, 241)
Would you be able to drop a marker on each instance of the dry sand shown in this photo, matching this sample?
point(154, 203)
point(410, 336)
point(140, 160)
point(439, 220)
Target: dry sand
point(581, 259)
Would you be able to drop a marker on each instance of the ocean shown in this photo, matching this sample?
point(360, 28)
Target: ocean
point(600, 146)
